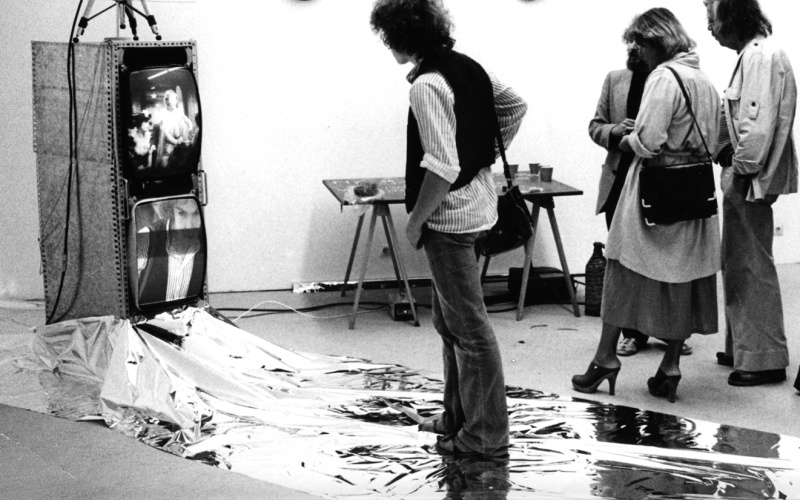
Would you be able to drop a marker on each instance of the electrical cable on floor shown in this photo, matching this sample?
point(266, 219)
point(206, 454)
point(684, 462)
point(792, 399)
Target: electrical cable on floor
point(381, 306)
point(298, 311)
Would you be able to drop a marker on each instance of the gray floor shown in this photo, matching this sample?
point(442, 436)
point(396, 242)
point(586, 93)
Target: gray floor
point(47, 457)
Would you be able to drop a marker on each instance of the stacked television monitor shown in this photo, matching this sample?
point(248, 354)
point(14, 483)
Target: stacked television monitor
point(160, 138)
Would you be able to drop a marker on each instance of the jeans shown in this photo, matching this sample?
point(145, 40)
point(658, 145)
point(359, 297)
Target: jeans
point(474, 392)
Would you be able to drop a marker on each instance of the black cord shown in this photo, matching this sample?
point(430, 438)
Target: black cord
point(381, 305)
point(73, 158)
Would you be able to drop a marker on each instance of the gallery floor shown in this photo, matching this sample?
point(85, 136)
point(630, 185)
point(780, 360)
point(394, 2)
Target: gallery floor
point(49, 457)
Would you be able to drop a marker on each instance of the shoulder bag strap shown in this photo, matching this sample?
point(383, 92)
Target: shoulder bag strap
point(689, 105)
point(502, 149)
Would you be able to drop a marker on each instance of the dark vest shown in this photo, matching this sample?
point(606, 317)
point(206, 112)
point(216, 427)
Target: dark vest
point(476, 122)
point(153, 280)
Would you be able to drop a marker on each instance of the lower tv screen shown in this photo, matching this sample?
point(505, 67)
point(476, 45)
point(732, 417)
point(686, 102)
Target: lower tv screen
point(167, 253)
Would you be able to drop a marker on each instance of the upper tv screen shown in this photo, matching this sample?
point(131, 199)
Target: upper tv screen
point(163, 122)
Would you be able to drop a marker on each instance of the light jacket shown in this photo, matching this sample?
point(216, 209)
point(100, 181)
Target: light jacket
point(760, 102)
point(611, 109)
point(665, 134)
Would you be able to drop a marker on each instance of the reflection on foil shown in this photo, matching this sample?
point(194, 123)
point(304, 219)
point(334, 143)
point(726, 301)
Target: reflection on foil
point(199, 387)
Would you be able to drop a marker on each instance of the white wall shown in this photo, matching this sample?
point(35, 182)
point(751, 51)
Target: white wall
point(296, 92)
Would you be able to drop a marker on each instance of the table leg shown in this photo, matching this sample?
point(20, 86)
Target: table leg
point(391, 250)
point(485, 268)
point(363, 267)
point(526, 266)
point(352, 254)
point(567, 276)
point(392, 236)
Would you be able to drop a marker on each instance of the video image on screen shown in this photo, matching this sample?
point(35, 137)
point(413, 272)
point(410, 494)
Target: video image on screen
point(169, 252)
point(164, 123)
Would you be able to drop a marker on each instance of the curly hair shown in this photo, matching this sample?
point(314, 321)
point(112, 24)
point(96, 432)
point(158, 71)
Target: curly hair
point(415, 27)
point(742, 19)
point(660, 28)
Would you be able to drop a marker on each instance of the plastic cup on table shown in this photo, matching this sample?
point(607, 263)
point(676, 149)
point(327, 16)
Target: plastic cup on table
point(523, 180)
point(535, 169)
point(546, 173)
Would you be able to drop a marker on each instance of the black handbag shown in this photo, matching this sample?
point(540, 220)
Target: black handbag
point(681, 192)
point(513, 226)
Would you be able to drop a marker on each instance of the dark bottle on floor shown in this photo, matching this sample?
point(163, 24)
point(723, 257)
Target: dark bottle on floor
point(595, 272)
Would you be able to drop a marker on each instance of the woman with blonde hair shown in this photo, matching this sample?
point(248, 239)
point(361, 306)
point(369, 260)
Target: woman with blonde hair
point(660, 280)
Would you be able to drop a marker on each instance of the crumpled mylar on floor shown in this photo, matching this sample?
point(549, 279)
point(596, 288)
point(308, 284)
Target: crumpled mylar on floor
point(197, 386)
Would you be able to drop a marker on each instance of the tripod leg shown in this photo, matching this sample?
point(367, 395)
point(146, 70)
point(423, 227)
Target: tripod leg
point(121, 15)
point(84, 21)
point(132, 22)
point(151, 19)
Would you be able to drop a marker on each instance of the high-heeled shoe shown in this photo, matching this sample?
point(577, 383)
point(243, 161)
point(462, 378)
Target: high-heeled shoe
point(595, 374)
point(663, 385)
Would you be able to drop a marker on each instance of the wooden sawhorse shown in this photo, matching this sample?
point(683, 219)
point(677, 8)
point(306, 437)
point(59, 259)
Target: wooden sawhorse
point(381, 210)
point(540, 200)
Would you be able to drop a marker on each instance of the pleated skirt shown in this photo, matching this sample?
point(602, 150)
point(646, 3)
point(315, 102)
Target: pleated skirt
point(656, 308)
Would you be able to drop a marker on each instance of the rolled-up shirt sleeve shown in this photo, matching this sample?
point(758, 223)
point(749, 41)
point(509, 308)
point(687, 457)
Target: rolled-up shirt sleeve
point(432, 102)
point(659, 101)
point(510, 109)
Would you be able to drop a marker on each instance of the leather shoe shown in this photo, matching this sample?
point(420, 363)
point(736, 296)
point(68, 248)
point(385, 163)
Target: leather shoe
point(628, 347)
point(724, 360)
point(741, 378)
point(450, 446)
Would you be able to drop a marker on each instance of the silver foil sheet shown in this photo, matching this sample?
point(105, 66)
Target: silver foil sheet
point(195, 385)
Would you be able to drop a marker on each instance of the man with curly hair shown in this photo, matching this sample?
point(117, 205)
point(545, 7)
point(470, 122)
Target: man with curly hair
point(456, 107)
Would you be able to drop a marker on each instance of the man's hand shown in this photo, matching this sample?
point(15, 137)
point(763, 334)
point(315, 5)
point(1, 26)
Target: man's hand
point(414, 233)
point(431, 195)
point(624, 128)
point(725, 157)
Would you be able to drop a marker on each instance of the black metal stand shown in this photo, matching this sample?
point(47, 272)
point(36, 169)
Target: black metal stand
point(125, 9)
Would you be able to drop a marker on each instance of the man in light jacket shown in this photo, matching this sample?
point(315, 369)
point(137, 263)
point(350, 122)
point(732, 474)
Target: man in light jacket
point(760, 163)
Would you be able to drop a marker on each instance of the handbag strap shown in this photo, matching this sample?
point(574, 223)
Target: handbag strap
point(689, 105)
point(506, 170)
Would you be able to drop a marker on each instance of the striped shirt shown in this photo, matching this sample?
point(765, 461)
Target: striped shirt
point(473, 207)
point(180, 266)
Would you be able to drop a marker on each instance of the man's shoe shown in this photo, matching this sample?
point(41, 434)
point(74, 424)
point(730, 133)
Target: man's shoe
point(741, 378)
point(627, 347)
point(686, 349)
point(724, 360)
point(450, 447)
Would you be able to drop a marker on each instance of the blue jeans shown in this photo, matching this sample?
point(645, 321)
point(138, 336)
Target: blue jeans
point(474, 391)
